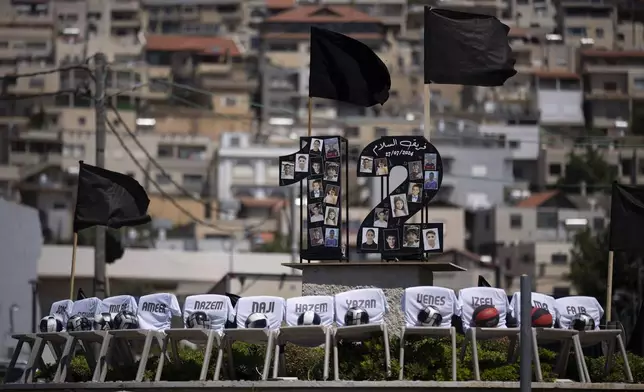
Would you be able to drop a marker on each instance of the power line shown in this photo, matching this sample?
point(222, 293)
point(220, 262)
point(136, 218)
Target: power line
point(184, 191)
point(12, 77)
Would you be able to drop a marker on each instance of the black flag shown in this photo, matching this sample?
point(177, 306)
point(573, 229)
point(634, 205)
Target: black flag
point(626, 218)
point(468, 49)
point(483, 282)
point(107, 198)
point(344, 69)
point(113, 248)
point(233, 298)
point(80, 295)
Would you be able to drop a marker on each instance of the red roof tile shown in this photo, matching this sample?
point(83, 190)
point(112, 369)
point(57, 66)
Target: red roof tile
point(203, 45)
point(323, 14)
point(537, 199)
point(279, 4)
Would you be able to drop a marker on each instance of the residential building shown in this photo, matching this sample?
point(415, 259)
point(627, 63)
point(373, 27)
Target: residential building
point(587, 23)
point(535, 235)
point(195, 17)
point(392, 13)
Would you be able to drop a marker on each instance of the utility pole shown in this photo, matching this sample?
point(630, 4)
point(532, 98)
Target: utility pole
point(101, 121)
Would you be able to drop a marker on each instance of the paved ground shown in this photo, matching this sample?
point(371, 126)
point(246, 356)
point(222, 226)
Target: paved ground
point(306, 386)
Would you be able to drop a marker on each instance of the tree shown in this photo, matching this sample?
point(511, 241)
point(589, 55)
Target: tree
point(590, 168)
point(280, 244)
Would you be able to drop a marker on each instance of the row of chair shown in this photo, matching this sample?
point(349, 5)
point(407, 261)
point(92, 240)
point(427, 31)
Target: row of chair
point(156, 310)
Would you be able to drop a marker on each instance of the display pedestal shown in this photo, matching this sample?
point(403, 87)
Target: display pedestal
point(330, 278)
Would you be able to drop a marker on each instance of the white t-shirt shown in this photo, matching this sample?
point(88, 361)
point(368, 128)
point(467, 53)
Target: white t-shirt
point(272, 307)
point(120, 303)
point(538, 301)
point(320, 304)
point(88, 307)
point(217, 307)
point(415, 299)
point(568, 307)
point(156, 311)
point(472, 297)
point(62, 310)
point(372, 300)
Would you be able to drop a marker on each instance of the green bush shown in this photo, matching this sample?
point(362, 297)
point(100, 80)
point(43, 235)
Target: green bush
point(425, 359)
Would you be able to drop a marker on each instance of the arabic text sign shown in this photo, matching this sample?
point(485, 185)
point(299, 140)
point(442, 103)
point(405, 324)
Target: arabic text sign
point(398, 146)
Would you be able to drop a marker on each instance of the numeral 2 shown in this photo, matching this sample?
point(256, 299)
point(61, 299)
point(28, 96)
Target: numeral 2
point(384, 230)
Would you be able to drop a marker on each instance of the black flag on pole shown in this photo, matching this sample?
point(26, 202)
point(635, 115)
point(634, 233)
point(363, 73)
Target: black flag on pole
point(344, 69)
point(468, 49)
point(107, 198)
point(626, 218)
point(80, 295)
point(483, 282)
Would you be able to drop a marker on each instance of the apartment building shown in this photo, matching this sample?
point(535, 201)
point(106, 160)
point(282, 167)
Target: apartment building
point(195, 17)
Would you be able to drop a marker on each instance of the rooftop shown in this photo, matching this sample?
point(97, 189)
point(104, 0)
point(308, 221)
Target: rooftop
point(202, 45)
point(323, 14)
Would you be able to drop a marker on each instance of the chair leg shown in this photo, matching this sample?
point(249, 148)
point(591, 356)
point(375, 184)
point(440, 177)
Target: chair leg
point(452, 334)
point(584, 376)
point(513, 352)
point(100, 371)
point(627, 366)
point(327, 349)
point(164, 353)
point(36, 354)
point(475, 355)
point(220, 358)
point(231, 363)
point(207, 355)
point(276, 360)
point(336, 366)
point(609, 354)
point(401, 373)
point(562, 358)
point(535, 356)
point(270, 346)
point(385, 336)
point(145, 354)
point(14, 358)
point(65, 360)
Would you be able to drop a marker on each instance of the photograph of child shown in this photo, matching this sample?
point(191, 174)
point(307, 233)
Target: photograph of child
point(430, 162)
point(391, 239)
point(366, 165)
point(431, 240)
point(315, 189)
point(316, 236)
point(316, 166)
point(399, 205)
point(331, 194)
point(382, 217)
point(415, 193)
point(369, 238)
point(316, 146)
point(287, 172)
point(415, 171)
point(331, 239)
point(331, 218)
point(302, 163)
point(411, 236)
point(331, 172)
point(332, 148)
point(381, 167)
point(431, 180)
point(315, 211)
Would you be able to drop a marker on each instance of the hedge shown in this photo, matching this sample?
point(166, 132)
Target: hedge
point(425, 359)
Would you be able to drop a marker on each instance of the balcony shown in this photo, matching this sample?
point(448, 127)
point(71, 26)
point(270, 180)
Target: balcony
point(125, 5)
point(214, 68)
point(32, 158)
point(159, 71)
point(223, 83)
point(609, 69)
point(45, 19)
point(126, 23)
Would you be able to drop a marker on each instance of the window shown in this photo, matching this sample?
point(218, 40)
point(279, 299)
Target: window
point(638, 83)
point(516, 221)
point(36, 83)
point(163, 179)
point(36, 45)
point(165, 151)
point(233, 141)
point(559, 292)
point(599, 32)
point(192, 179)
point(626, 166)
point(514, 144)
point(576, 31)
point(229, 101)
point(554, 169)
point(610, 86)
point(547, 220)
point(559, 258)
point(82, 120)
point(351, 132)
point(192, 152)
point(380, 131)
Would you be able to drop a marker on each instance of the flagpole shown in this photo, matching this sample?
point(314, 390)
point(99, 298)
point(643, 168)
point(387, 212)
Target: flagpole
point(310, 116)
point(427, 111)
point(73, 272)
point(609, 287)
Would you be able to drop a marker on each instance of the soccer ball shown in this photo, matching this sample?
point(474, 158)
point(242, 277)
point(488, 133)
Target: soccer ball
point(126, 320)
point(78, 323)
point(257, 320)
point(198, 320)
point(309, 318)
point(430, 317)
point(50, 324)
point(103, 322)
point(356, 316)
point(582, 322)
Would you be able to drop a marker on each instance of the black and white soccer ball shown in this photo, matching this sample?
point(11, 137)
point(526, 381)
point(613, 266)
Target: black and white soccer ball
point(77, 323)
point(198, 320)
point(257, 320)
point(126, 320)
point(103, 322)
point(50, 324)
point(582, 322)
point(429, 317)
point(356, 316)
point(309, 318)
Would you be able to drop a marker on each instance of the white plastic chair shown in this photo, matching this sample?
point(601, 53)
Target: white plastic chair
point(568, 307)
point(307, 335)
point(273, 308)
point(375, 303)
point(471, 298)
point(414, 300)
point(218, 309)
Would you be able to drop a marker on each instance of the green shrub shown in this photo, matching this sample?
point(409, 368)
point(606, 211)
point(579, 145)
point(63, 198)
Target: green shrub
point(425, 359)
